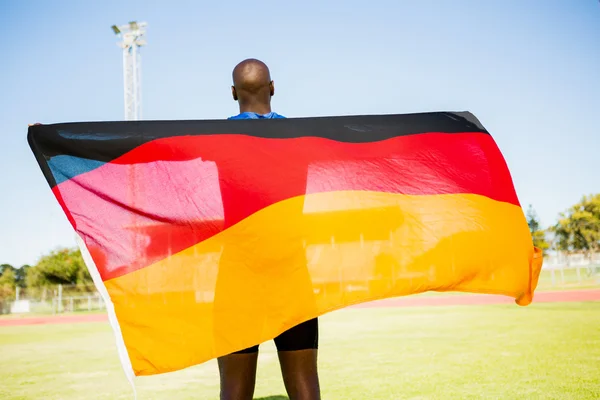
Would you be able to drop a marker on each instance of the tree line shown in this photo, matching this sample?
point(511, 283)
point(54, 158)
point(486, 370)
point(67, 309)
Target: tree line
point(576, 231)
point(59, 267)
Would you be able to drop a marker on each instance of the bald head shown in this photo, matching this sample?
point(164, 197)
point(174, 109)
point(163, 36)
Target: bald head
point(252, 86)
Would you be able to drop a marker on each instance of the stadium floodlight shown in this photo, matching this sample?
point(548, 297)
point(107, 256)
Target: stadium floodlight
point(132, 38)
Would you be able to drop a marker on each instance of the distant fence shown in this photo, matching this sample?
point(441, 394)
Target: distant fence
point(570, 271)
point(558, 260)
point(53, 300)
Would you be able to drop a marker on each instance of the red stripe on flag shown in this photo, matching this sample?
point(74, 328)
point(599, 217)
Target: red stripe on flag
point(171, 193)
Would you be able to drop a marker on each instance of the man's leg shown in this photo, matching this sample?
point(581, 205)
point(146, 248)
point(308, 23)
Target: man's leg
point(238, 374)
point(297, 349)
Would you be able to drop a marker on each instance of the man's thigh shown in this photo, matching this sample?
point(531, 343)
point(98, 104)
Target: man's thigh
point(304, 336)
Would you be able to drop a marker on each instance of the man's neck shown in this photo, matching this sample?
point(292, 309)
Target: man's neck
point(255, 108)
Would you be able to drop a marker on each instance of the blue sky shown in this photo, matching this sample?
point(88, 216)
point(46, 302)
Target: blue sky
point(529, 70)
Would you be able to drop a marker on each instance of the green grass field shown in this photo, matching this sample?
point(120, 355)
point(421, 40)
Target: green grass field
point(544, 351)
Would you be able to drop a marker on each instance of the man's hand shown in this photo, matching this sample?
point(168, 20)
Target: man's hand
point(37, 123)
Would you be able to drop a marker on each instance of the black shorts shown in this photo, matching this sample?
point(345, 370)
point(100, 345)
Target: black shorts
point(301, 337)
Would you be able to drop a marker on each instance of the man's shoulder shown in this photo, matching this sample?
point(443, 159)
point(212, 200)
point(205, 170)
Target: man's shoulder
point(276, 116)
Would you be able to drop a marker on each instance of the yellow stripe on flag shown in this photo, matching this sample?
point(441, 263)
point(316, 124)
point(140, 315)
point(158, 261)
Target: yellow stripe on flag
point(308, 255)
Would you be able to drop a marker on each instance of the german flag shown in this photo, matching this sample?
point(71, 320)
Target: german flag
point(208, 237)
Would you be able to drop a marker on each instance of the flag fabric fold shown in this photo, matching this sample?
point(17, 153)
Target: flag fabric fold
point(208, 237)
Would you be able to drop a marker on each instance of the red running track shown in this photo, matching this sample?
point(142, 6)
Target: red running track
point(52, 319)
point(414, 301)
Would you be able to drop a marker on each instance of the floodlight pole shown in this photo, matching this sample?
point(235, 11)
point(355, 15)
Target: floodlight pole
point(132, 38)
